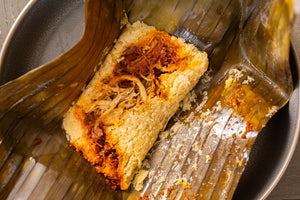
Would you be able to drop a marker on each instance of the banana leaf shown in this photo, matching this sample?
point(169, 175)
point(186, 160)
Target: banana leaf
point(32, 106)
point(206, 147)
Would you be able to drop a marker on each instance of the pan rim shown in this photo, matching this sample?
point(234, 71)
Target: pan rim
point(13, 30)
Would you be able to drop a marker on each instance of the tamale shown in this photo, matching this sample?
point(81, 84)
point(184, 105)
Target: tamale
point(137, 90)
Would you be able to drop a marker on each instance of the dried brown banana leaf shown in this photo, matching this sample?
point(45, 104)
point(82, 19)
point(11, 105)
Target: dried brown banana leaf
point(207, 147)
point(38, 100)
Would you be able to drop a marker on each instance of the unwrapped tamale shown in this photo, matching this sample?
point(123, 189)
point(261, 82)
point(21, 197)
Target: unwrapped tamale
point(136, 91)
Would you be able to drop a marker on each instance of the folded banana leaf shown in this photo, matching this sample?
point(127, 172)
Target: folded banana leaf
point(206, 147)
point(32, 106)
